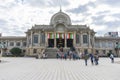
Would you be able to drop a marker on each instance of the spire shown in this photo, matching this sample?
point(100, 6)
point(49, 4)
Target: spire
point(60, 1)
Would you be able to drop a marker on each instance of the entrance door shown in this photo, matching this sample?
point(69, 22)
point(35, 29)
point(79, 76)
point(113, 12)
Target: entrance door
point(60, 42)
point(69, 42)
point(50, 42)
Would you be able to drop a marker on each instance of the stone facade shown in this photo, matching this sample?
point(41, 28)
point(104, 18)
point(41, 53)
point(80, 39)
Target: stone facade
point(61, 33)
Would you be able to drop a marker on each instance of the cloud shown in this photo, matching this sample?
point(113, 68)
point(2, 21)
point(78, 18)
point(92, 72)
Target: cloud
point(46, 3)
point(81, 8)
point(117, 15)
point(113, 24)
point(98, 20)
point(78, 10)
point(17, 16)
point(2, 22)
point(113, 3)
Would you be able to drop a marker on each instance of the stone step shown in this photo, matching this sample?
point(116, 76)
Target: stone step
point(51, 52)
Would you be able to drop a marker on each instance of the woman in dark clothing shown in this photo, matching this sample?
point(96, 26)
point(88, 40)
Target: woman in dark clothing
point(91, 58)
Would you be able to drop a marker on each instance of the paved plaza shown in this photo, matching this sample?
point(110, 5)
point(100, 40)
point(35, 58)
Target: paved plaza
point(55, 69)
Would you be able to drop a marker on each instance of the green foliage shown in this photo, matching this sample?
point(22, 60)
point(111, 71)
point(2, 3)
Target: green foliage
point(16, 51)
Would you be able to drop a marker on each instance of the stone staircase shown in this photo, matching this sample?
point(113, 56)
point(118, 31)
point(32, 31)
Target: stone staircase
point(51, 52)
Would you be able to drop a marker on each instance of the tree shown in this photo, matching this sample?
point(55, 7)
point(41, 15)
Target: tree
point(16, 51)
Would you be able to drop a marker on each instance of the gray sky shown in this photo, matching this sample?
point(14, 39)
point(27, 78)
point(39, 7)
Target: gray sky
point(17, 16)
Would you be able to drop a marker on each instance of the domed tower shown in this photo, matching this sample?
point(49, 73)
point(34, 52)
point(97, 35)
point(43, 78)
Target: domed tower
point(60, 18)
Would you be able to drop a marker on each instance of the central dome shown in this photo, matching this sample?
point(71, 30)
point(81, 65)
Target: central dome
point(60, 18)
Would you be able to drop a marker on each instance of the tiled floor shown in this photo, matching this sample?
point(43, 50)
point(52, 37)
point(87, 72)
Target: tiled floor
point(53, 69)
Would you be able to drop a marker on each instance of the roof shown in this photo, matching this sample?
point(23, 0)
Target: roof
point(12, 37)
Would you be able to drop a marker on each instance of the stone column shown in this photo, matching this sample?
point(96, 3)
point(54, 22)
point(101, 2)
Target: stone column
point(46, 40)
point(93, 43)
point(89, 42)
point(7, 43)
point(74, 37)
point(31, 49)
point(15, 42)
point(39, 38)
point(21, 44)
point(100, 44)
point(54, 39)
point(65, 40)
point(81, 39)
point(31, 38)
point(106, 46)
point(27, 40)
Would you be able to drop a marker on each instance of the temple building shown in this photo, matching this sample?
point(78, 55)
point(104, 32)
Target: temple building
point(61, 33)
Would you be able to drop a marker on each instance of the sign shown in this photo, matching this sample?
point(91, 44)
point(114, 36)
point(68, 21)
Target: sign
point(113, 34)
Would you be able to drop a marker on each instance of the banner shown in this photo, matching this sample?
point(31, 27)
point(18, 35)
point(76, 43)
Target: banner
point(60, 35)
point(70, 36)
point(50, 36)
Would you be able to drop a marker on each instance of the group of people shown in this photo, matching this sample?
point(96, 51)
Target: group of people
point(93, 58)
point(71, 54)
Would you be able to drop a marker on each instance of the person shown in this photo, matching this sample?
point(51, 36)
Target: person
point(74, 55)
point(38, 56)
point(65, 55)
point(58, 54)
point(80, 55)
point(91, 58)
point(44, 56)
point(72, 48)
point(62, 55)
point(61, 49)
point(96, 58)
point(86, 57)
point(70, 54)
point(112, 57)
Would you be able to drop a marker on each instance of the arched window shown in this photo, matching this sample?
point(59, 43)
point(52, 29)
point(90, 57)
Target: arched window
point(85, 39)
point(35, 38)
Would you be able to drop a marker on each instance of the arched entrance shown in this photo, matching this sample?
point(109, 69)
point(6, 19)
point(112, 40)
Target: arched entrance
point(60, 40)
point(60, 35)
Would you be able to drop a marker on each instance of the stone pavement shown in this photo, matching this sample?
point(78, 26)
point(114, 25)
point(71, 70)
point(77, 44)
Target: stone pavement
point(53, 69)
